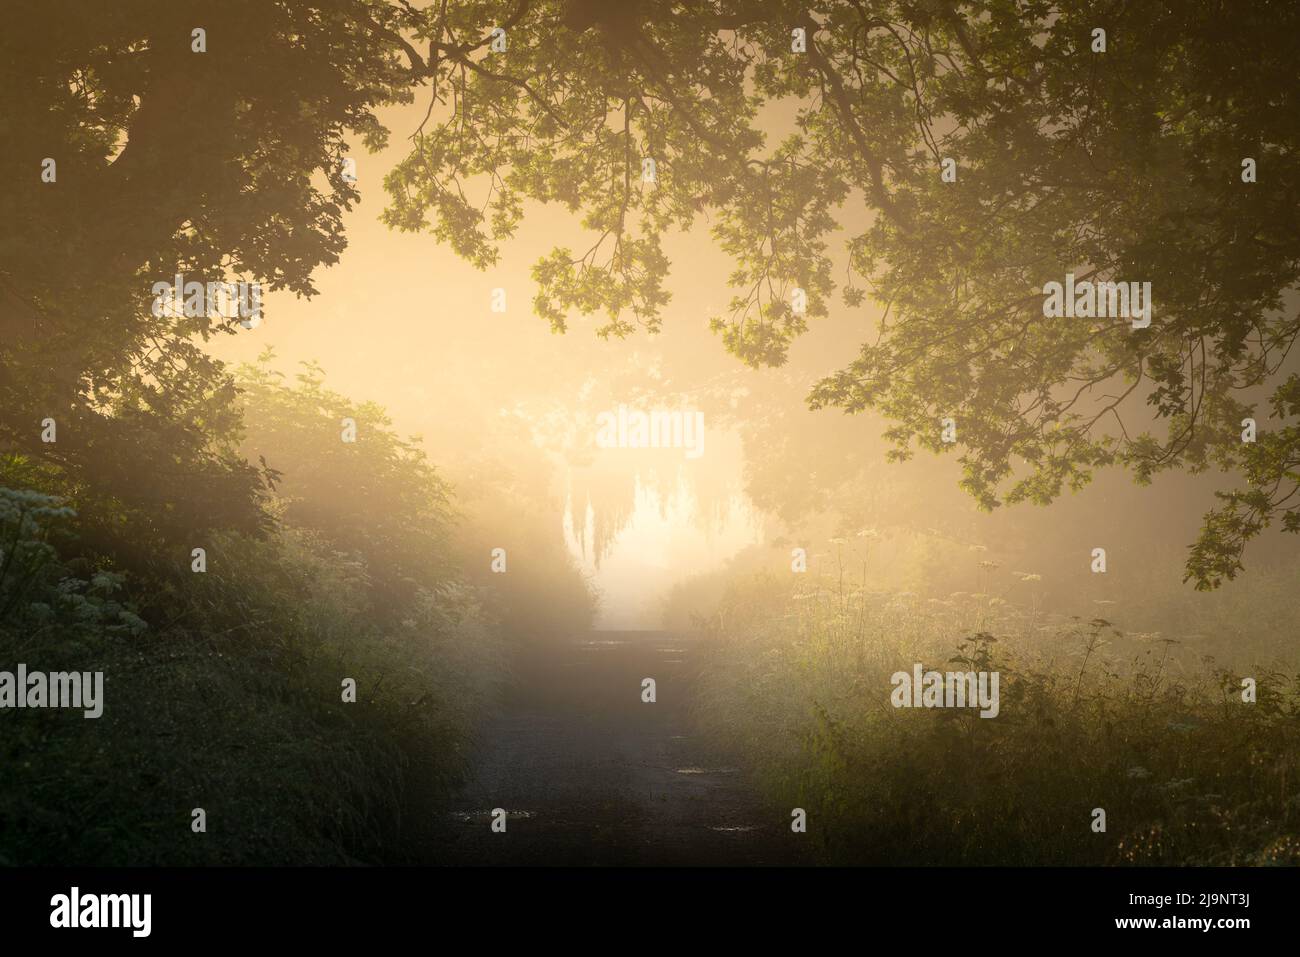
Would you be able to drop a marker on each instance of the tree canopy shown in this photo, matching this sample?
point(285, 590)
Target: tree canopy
point(810, 137)
point(1118, 156)
point(220, 165)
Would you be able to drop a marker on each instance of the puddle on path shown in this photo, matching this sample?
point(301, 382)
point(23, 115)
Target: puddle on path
point(694, 770)
point(473, 817)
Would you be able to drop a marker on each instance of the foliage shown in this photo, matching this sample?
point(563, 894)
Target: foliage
point(377, 497)
point(233, 704)
point(1118, 165)
point(40, 599)
point(1123, 165)
point(226, 164)
point(230, 699)
point(797, 683)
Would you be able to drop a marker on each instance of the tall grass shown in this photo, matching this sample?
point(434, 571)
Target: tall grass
point(796, 681)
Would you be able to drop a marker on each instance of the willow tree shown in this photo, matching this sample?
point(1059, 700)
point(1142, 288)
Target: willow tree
point(952, 159)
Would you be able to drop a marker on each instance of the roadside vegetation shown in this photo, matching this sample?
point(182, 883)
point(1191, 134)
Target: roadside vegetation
point(224, 689)
point(1145, 725)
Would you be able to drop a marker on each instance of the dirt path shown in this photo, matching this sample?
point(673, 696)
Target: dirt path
point(589, 774)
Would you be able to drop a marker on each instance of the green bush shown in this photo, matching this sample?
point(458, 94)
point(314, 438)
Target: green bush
point(232, 704)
